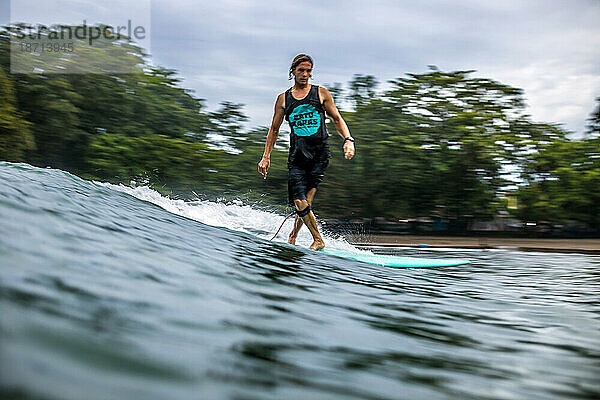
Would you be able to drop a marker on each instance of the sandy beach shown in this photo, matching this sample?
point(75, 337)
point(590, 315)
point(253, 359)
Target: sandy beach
point(591, 246)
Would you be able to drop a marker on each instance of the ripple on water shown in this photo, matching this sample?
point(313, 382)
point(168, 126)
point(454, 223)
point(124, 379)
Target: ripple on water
point(107, 296)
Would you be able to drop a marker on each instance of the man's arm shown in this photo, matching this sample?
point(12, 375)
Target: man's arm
point(263, 165)
point(339, 122)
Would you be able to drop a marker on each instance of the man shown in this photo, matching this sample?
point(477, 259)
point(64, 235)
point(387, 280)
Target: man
point(304, 106)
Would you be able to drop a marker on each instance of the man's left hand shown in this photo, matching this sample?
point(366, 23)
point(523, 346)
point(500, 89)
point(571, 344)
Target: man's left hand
point(348, 149)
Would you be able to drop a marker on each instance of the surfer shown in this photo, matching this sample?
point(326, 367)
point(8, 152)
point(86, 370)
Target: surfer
point(304, 106)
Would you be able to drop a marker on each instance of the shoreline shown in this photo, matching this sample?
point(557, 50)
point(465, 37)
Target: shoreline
point(588, 246)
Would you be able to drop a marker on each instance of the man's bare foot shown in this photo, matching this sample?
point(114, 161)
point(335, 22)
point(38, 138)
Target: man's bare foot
point(292, 239)
point(317, 245)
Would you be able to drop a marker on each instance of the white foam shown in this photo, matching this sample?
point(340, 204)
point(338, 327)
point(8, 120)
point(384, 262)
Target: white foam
point(234, 215)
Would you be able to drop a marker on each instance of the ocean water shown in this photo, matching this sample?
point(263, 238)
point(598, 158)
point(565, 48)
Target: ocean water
point(110, 292)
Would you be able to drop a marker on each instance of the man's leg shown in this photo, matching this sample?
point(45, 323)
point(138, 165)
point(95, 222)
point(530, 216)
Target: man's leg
point(311, 223)
point(298, 222)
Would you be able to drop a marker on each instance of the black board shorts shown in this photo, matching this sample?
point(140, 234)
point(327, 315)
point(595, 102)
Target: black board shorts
point(303, 178)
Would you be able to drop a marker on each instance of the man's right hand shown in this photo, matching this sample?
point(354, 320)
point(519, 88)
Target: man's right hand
point(263, 167)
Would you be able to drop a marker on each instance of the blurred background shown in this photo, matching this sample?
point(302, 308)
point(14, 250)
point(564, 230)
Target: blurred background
point(467, 117)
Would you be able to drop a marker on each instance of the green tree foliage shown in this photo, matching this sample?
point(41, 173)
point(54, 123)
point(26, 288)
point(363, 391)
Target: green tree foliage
point(594, 120)
point(432, 144)
point(15, 133)
point(336, 91)
point(562, 180)
point(156, 160)
point(362, 89)
point(563, 184)
point(240, 178)
point(228, 122)
point(435, 144)
point(68, 110)
point(49, 103)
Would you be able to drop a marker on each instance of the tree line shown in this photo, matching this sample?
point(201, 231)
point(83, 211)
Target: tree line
point(431, 144)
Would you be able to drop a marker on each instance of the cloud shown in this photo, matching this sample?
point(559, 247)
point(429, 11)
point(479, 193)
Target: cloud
point(240, 50)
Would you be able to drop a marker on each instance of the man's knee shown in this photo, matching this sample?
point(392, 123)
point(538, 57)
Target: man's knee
point(300, 204)
point(302, 207)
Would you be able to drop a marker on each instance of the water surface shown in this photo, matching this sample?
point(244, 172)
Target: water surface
point(118, 293)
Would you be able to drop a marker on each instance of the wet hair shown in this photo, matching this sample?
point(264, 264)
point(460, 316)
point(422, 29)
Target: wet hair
point(297, 60)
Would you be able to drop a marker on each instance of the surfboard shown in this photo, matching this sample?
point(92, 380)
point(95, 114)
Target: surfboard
point(396, 261)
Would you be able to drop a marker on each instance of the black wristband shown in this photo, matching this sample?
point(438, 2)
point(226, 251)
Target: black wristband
point(350, 138)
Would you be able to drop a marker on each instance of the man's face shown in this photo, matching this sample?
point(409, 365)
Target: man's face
point(302, 72)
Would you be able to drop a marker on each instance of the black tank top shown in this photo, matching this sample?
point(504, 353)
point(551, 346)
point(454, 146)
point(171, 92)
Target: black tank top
point(308, 139)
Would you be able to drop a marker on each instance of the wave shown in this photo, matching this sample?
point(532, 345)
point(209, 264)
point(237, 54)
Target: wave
point(234, 215)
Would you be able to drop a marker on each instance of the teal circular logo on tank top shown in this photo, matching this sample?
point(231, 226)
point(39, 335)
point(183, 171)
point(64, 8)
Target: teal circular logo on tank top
point(305, 120)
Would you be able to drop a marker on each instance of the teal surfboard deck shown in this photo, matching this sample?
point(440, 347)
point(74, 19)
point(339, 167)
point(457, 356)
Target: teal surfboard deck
point(396, 261)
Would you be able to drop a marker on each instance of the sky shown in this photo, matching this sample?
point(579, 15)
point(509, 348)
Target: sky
point(240, 51)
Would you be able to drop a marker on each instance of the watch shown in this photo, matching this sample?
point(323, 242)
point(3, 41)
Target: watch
point(350, 138)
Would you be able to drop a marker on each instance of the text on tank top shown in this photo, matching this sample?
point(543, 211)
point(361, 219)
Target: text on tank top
point(306, 117)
